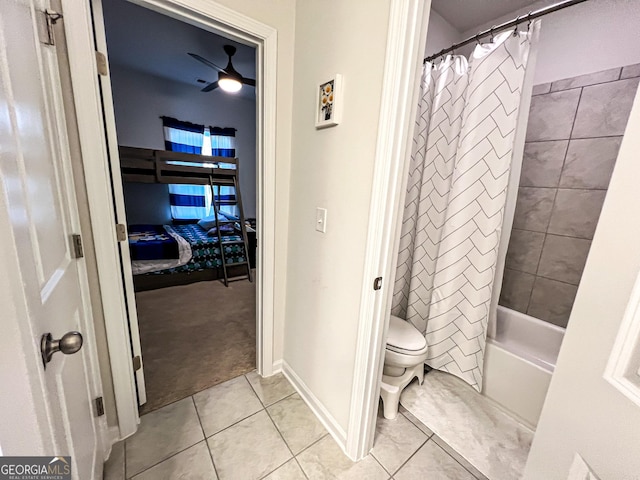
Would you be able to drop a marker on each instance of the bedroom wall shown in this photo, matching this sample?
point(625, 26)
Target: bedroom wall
point(140, 99)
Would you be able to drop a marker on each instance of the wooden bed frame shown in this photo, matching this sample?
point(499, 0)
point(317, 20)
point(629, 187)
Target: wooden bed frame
point(143, 165)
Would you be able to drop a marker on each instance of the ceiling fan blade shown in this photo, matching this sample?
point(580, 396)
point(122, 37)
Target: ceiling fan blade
point(211, 86)
point(249, 81)
point(207, 62)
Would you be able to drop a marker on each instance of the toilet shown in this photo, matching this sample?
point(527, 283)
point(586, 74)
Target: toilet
point(405, 354)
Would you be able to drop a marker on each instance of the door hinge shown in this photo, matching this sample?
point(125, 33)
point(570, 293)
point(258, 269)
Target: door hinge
point(121, 232)
point(78, 251)
point(47, 20)
point(101, 63)
point(137, 363)
point(377, 283)
point(99, 407)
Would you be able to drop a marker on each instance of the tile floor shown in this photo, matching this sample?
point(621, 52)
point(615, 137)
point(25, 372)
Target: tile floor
point(259, 428)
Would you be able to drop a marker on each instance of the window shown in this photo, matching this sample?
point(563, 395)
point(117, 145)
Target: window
point(193, 202)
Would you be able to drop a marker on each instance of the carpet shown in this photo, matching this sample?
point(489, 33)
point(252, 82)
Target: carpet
point(195, 336)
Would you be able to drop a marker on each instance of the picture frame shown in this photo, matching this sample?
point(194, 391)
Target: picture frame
point(329, 102)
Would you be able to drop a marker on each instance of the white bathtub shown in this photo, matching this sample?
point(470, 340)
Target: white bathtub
point(519, 361)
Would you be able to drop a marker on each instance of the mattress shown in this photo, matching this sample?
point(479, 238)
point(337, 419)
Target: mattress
point(156, 247)
point(205, 251)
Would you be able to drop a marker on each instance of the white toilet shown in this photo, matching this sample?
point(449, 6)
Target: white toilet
point(404, 358)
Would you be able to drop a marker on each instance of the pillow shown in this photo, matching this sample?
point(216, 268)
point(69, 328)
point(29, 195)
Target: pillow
point(207, 223)
point(226, 229)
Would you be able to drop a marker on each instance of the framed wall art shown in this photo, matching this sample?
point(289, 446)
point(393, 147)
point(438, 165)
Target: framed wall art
point(329, 106)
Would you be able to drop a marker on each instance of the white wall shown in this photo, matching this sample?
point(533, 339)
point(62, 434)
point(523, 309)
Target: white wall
point(585, 38)
point(331, 168)
point(441, 34)
point(140, 99)
point(583, 413)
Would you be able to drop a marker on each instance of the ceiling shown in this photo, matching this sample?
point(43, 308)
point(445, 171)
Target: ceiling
point(143, 40)
point(466, 14)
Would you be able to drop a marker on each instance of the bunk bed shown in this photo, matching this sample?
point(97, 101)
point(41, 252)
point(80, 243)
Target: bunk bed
point(183, 253)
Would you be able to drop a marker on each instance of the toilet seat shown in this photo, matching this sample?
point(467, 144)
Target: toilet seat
point(404, 338)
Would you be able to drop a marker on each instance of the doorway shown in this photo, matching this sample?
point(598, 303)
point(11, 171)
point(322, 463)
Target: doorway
point(98, 142)
point(192, 263)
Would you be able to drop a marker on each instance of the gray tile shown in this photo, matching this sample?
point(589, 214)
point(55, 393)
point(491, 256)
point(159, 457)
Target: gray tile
point(551, 115)
point(289, 471)
point(270, 389)
point(576, 212)
point(249, 449)
point(541, 89)
point(471, 424)
point(604, 109)
point(590, 162)
point(395, 441)
point(563, 258)
point(542, 163)
point(630, 71)
point(524, 250)
point(459, 458)
point(114, 466)
point(552, 301)
point(585, 80)
point(325, 460)
point(431, 461)
point(413, 419)
point(194, 463)
point(516, 290)
point(162, 433)
point(225, 404)
point(297, 423)
point(533, 208)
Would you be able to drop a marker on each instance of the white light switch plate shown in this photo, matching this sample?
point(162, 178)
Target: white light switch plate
point(321, 219)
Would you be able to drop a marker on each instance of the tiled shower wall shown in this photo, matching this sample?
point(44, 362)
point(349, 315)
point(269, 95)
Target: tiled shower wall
point(573, 136)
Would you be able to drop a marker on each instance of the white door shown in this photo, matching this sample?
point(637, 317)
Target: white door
point(38, 213)
point(118, 197)
point(590, 422)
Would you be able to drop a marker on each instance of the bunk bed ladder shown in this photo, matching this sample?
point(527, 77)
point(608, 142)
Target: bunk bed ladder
point(243, 231)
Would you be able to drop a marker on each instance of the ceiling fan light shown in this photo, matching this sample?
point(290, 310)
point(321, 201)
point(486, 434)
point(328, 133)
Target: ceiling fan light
point(229, 84)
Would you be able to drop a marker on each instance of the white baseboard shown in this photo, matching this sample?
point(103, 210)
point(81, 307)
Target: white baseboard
point(330, 423)
point(277, 366)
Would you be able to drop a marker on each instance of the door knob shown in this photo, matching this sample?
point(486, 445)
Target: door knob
point(71, 342)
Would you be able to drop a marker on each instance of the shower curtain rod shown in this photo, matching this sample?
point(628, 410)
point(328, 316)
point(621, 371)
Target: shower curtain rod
point(511, 23)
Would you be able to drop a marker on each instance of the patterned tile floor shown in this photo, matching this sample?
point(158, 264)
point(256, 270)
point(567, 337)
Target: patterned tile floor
point(259, 428)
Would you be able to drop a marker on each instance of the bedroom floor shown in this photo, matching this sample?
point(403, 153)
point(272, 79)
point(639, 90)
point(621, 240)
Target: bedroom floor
point(195, 336)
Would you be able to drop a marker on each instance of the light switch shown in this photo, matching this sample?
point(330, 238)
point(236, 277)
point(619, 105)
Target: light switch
point(321, 219)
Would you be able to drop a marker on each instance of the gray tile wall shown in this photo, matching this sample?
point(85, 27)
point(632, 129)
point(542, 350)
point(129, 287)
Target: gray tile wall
point(573, 136)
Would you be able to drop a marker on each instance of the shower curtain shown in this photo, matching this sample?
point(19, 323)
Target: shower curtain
point(456, 194)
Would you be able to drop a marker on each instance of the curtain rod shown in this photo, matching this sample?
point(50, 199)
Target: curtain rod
point(511, 23)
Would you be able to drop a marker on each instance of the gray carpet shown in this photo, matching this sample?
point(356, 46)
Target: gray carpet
point(195, 336)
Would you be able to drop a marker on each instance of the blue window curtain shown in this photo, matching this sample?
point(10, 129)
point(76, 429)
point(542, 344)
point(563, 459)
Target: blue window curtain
point(223, 144)
point(188, 202)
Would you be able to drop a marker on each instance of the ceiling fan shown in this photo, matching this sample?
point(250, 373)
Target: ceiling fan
point(229, 79)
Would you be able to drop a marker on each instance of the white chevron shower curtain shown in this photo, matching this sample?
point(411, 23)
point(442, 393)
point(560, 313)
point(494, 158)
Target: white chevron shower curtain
point(456, 194)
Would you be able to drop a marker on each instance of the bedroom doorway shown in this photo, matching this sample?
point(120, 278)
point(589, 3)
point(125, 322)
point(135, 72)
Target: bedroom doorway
point(191, 217)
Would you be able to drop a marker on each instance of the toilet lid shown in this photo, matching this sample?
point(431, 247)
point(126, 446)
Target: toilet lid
point(404, 337)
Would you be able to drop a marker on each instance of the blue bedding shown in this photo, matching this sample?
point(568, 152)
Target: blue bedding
point(151, 242)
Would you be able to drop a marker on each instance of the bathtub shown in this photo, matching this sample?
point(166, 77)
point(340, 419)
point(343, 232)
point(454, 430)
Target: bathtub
point(519, 361)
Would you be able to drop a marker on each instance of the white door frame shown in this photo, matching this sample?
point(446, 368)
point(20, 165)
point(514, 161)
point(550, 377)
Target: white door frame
point(87, 97)
point(408, 21)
